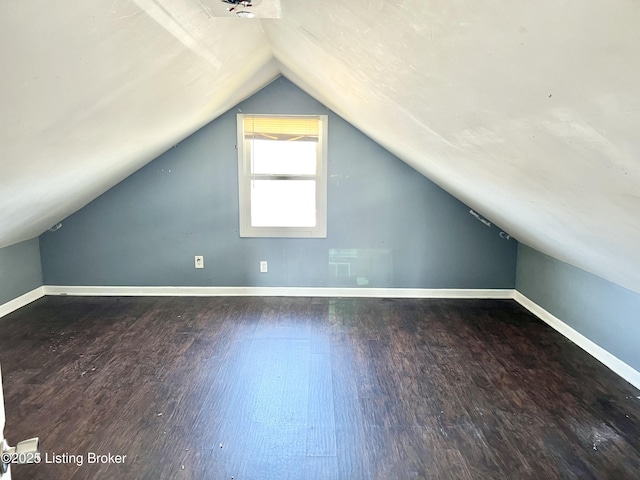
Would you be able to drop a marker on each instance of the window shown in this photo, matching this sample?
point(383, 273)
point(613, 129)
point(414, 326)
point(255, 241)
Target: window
point(282, 174)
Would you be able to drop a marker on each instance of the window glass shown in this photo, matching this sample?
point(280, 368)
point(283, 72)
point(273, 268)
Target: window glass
point(283, 203)
point(276, 157)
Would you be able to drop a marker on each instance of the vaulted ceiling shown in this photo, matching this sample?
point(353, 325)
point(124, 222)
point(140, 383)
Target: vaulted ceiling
point(529, 112)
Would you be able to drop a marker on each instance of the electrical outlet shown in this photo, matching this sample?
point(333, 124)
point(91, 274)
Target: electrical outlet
point(199, 260)
point(263, 266)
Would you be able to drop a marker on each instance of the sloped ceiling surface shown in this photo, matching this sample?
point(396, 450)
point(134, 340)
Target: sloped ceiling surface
point(93, 91)
point(527, 111)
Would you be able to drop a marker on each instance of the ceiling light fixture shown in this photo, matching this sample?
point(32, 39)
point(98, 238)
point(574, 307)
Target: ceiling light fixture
point(242, 4)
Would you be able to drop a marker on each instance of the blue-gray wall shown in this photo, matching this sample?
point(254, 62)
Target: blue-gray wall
point(605, 313)
point(20, 270)
point(403, 230)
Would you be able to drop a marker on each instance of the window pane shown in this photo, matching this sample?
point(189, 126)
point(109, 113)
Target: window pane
point(283, 203)
point(283, 157)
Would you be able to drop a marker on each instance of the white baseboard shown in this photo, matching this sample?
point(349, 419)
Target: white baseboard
point(278, 292)
point(614, 363)
point(21, 301)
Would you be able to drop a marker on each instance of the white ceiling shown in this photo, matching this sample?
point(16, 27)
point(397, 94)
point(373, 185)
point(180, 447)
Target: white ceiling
point(527, 111)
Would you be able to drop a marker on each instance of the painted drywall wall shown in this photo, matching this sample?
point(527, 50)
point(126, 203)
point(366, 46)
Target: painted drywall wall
point(20, 270)
point(388, 226)
point(605, 313)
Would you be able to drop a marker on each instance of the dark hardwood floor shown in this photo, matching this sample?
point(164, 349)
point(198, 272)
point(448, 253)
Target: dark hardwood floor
point(310, 388)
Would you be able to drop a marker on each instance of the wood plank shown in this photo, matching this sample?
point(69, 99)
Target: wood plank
point(321, 427)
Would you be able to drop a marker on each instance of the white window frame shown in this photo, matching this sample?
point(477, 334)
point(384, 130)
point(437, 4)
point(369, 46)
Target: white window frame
point(245, 177)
